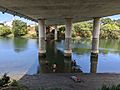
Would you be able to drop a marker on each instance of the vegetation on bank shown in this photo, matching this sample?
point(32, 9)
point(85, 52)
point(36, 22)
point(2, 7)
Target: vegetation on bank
point(113, 87)
point(18, 29)
point(110, 29)
point(7, 84)
point(4, 31)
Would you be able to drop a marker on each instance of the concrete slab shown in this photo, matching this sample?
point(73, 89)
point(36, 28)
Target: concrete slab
point(54, 11)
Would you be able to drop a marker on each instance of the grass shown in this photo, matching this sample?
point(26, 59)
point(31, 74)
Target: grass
point(113, 87)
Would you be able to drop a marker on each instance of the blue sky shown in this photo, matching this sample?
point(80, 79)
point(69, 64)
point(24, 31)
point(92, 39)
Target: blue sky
point(8, 17)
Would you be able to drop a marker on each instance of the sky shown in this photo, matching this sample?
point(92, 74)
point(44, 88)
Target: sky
point(9, 18)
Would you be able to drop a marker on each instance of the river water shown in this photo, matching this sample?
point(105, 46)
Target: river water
point(20, 56)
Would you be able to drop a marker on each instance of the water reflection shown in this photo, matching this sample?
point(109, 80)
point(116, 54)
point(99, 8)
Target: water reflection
point(20, 44)
point(93, 63)
point(47, 66)
point(107, 62)
point(55, 62)
point(106, 46)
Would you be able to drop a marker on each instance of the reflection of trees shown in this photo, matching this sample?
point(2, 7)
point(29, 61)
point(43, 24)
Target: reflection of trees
point(54, 56)
point(20, 44)
point(109, 46)
point(81, 46)
point(81, 50)
point(86, 42)
point(106, 46)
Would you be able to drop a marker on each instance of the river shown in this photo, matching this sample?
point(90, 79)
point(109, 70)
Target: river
point(20, 56)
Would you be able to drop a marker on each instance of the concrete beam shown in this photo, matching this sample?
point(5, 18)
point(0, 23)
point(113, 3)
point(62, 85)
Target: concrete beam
point(56, 10)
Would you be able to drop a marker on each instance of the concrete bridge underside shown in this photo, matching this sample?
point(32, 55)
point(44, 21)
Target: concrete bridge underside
point(54, 11)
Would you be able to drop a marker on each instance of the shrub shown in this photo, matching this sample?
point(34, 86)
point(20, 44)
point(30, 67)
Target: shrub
point(5, 82)
point(4, 31)
point(109, 27)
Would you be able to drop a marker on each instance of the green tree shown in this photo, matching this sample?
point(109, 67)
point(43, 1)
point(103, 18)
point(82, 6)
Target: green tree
point(5, 30)
point(109, 27)
point(36, 29)
point(83, 29)
point(19, 28)
point(82, 26)
point(107, 21)
point(117, 22)
point(62, 29)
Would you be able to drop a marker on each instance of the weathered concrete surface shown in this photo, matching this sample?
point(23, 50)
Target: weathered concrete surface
point(96, 33)
point(54, 11)
point(62, 80)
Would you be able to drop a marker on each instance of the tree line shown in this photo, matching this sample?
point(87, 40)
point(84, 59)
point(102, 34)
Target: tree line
point(110, 29)
point(19, 28)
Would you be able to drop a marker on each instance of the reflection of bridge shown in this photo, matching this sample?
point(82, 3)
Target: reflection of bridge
point(64, 65)
point(55, 12)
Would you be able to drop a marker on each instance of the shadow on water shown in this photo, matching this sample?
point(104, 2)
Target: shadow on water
point(55, 62)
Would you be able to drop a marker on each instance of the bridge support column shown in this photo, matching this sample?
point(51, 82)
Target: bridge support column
point(45, 34)
point(68, 29)
point(95, 41)
point(42, 43)
point(55, 34)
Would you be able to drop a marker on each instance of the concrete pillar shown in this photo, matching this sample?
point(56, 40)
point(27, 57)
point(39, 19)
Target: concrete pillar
point(42, 43)
point(68, 29)
point(45, 34)
point(96, 33)
point(55, 34)
point(95, 45)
